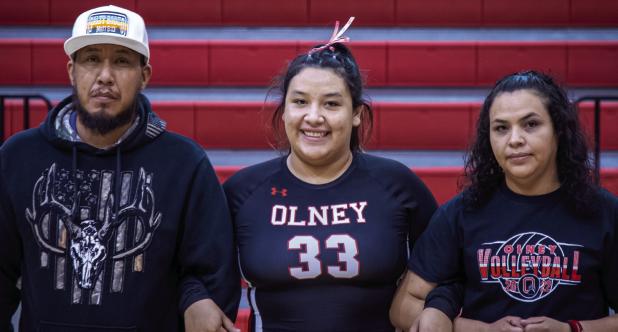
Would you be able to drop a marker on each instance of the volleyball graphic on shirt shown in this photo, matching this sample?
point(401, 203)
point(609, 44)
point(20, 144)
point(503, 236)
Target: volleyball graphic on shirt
point(529, 266)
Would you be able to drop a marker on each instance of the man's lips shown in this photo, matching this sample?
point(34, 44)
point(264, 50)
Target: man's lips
point(104, 96)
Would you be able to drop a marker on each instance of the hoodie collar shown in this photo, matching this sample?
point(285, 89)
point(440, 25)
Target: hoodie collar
point(58, 130)
point(66, 128)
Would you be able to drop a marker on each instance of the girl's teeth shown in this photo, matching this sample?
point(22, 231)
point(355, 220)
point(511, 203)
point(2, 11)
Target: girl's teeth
point(313, 134)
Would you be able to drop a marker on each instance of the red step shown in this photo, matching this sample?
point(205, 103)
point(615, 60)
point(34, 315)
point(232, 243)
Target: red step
point(476, 13)
point(391, 63)
point(408, 126)
point(244, 125)
point(442, 181)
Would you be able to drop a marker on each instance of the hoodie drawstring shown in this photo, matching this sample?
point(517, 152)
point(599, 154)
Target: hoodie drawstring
point(74, 216)
point(117, 184)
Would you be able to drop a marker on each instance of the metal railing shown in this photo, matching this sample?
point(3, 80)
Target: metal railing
point(597, 129)
point(26, 108)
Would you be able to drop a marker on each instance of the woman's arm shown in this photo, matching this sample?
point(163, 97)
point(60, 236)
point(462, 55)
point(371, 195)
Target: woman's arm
point(609, 323)
point(534, 324)
point(432, 320)
point(605, 324)
point(409, 300)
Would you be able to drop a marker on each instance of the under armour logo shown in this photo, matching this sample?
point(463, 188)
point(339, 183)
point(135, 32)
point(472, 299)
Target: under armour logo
point(274, 192)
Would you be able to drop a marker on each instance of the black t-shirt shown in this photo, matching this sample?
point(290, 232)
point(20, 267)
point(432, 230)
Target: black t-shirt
point(524, 256)
point(326, 257)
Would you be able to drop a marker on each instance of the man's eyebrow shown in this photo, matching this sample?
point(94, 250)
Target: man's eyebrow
point(333, 94)
point(91, 49)
point(123, 51)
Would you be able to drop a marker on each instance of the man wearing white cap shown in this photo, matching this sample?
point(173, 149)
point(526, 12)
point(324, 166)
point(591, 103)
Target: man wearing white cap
point(107, 221)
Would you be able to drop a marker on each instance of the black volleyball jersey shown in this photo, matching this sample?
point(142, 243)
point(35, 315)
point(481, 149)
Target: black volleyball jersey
point(326, 257)
point(524, 256)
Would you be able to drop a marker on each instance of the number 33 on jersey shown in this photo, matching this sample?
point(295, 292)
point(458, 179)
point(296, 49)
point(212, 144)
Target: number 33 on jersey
point(311, 266)
point(309, 247)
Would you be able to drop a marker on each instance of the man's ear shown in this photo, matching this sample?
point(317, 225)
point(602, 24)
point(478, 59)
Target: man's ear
point(70, 71)
point(146, 74)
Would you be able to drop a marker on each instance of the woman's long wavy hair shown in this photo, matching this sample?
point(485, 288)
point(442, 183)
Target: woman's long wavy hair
point(338, 58)
point(484, 175)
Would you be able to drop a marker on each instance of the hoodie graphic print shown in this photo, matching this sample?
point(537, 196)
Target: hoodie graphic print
point(76, 214)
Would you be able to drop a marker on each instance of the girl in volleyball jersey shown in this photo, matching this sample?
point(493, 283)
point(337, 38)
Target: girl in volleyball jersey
point(323, 232)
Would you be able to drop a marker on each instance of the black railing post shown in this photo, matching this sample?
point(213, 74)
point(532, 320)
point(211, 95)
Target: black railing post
point(26, 112)
point(1, 120)
point(47, 102)
point(26, 107)
point(597, 141)
point(597, 130)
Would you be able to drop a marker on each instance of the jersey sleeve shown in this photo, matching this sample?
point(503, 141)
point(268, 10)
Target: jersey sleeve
point(407, 189)
point(422, 207)
point(235, 192)
point(437, 255)
point(240, 186)
point(447, 298)
point(207, 252)
point(10, 256)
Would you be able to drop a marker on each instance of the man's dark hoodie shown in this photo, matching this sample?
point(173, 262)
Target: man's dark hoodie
point(118, 239)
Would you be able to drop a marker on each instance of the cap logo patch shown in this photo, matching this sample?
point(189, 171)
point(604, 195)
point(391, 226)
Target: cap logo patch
point(107, 22)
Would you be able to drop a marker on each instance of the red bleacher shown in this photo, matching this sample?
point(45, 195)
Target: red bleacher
point(429, 126)
point(425, 126)
point(397, 126)
point(489, 13)
point(392, 63)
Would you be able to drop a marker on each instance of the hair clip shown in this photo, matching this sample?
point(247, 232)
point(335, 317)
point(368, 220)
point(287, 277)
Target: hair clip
point(337, 37)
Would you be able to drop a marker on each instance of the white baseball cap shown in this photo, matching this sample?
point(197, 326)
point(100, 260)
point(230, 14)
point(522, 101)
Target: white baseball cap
point(109, 25)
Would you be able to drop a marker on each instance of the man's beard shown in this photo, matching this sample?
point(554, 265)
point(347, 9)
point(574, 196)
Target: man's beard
point(100, 122)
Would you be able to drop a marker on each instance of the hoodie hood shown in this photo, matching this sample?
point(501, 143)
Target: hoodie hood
point(148, 127)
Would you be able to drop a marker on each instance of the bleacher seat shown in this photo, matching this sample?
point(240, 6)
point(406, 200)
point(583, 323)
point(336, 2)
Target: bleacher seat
point(391, 63)
point(489, 13)
point(397, 126)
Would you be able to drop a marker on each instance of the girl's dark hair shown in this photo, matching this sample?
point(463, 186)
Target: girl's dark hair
point(338, 58)
point(482, 171)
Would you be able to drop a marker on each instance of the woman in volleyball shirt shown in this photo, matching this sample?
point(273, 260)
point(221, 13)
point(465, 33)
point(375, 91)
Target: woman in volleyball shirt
point(531, 244)
point(324, 232)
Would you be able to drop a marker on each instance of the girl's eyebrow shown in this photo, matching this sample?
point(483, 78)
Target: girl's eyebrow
point(525, 117)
